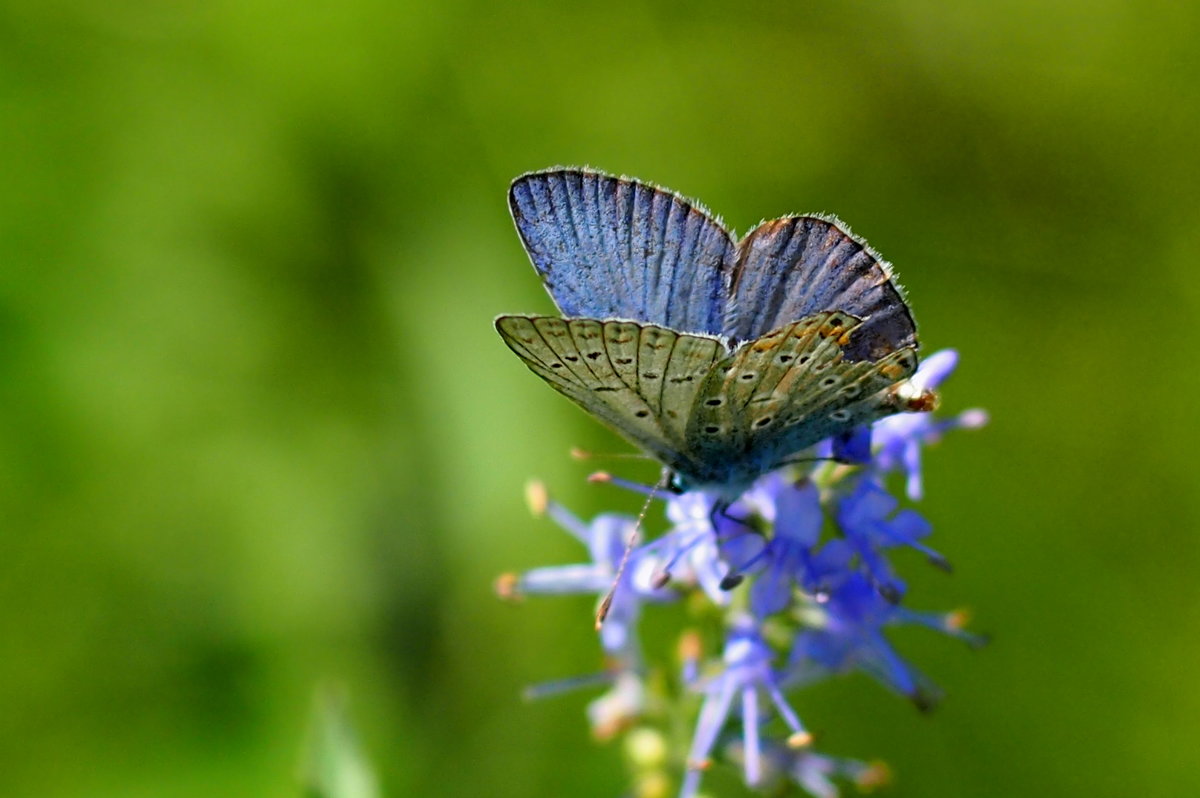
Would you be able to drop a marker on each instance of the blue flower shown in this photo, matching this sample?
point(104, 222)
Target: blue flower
point(748, 678)
point(691, 550)
point(617, 709)
point(814, 772)
point(825, 599)
point(851, 447)
point(845, 632)
point(865, 518)
point(784, 561)
point(605, 538)
point(897, 440)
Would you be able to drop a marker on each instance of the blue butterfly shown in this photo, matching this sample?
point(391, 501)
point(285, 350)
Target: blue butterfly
point(723, 359)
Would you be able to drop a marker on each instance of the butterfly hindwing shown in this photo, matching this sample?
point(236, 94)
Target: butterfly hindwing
point(609, 247)
point(781, 393)
point(832, 414)
point(742, 388)
point(809, 368)
point(692, 359)
point(619, 371)
point(827, 395)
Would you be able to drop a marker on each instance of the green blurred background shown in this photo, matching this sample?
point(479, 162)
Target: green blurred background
point(257, 433)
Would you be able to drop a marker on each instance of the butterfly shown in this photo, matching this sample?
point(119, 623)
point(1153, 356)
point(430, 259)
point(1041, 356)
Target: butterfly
point(723, 359)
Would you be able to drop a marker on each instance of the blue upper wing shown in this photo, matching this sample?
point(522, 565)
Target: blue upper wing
point(796, 266)
point(610, 247)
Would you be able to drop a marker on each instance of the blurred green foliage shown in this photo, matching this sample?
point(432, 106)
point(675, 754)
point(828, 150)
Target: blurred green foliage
point(334, 766)
point(256, 430)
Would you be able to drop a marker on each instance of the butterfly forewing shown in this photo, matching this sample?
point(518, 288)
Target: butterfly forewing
point(610, 247)
point(807, 264)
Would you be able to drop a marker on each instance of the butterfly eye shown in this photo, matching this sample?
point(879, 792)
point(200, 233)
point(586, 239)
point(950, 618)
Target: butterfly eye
point(828, 381)
point(642, 413)
point(715, 402)
point(749, 375)
point(840, 415)
point(764, 421)
point(785, 358)
point(712, 430)
point(850, 390)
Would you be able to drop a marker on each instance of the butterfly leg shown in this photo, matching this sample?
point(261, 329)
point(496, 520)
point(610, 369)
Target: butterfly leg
point(719, 511)
point(848, 448)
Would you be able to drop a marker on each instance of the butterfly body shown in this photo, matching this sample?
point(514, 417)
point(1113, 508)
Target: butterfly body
point(723, 360)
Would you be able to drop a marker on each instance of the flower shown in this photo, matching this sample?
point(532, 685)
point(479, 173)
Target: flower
point(865, 517)
point(618, 708)
point(606, 538)
point(747, 676)
point(690, 549)
point(812, 771)
point(793, 511)
point(846, 633)
point(897, 440)
point(793, 578)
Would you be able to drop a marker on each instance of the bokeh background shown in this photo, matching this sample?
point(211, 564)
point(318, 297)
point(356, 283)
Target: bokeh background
point(257, 434)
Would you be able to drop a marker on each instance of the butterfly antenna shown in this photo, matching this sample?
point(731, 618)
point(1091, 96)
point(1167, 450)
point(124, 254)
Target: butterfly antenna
point(630, 542)
point(583, 454)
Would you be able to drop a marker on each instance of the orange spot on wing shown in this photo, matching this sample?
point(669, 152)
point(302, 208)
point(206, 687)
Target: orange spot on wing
point(925, 402)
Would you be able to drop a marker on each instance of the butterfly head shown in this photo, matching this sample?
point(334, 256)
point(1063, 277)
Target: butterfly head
point(724, 490)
